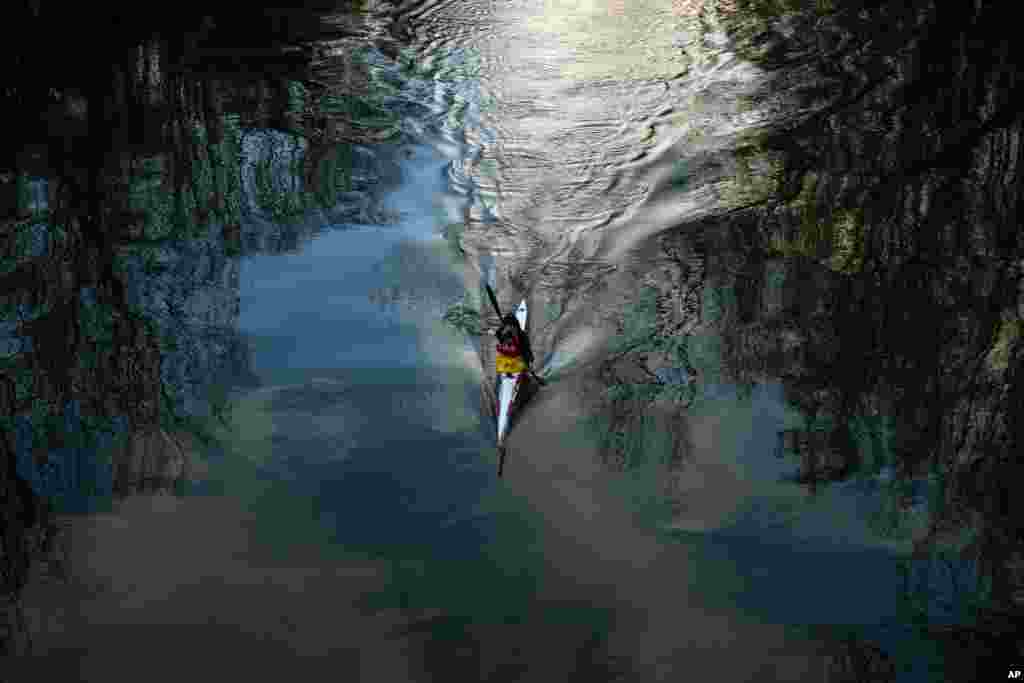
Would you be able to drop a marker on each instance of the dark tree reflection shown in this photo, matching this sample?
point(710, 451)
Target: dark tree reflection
point(123, 188)
point(892, 305)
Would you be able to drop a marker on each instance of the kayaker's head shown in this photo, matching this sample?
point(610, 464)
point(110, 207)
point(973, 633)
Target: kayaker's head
point(509, 327)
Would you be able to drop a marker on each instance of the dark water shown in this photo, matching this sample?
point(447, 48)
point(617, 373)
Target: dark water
point(370, 412)
point(353, 512)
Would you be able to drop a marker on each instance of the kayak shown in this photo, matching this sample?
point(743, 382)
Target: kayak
point(511, 386)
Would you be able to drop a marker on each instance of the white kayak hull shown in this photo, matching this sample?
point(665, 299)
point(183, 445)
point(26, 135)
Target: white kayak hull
point(508, 386)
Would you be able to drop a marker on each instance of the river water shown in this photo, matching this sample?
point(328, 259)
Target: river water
point(355, 517)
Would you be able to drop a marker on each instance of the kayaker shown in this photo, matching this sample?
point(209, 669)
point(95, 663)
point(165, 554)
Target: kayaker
point(513, 350)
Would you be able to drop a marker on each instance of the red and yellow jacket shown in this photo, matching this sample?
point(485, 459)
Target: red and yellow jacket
point(509, 357)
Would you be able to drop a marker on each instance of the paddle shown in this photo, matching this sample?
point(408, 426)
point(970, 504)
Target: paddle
point(494, 301)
